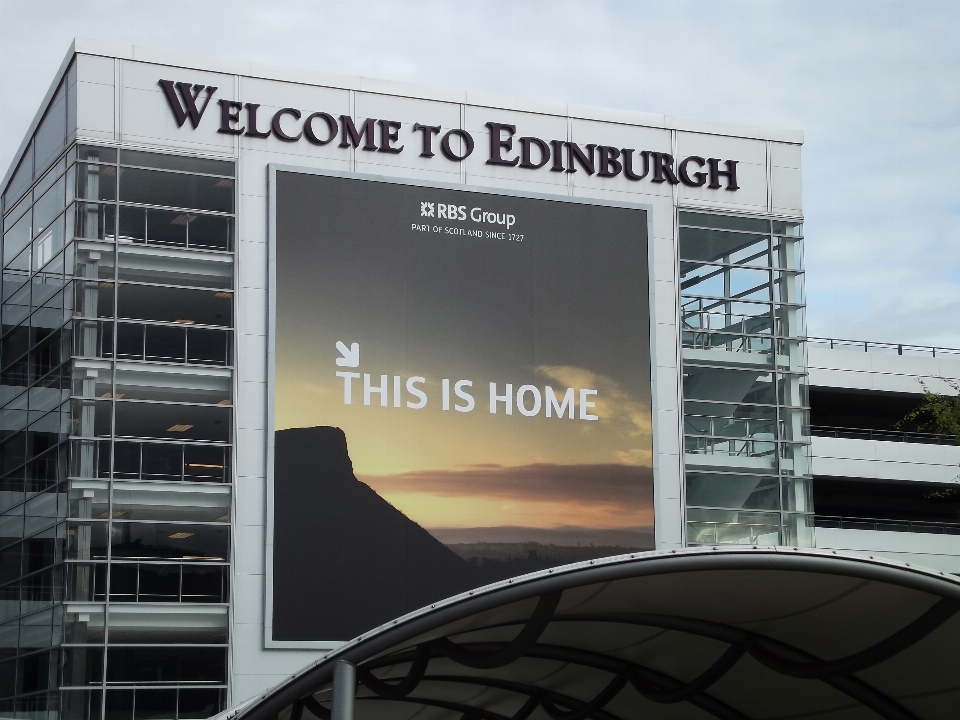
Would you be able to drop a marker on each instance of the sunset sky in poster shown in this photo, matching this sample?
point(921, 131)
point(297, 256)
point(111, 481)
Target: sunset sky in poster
point(566, 307)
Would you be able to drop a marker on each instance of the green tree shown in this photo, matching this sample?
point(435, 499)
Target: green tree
point(937, 413)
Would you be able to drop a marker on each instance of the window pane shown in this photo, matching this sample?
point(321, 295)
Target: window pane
point(96, 182)
point(757, 492)
point(211, 231)
point(167, 227)
point(724, 221)
point(95, 221)
point(208, 346)
point(48, 207)
point(17, 238)
point(156, 187)
point(176, 162)
point(178, 305)
point(170, 541)
point(166, 665)
point(133, 223)
point(200, 703)
point(732, 526)
point(176, 422)
point(96, 154)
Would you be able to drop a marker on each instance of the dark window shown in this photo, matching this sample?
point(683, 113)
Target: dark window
point(169, 541)
point(82, 666)
point(166, 665)
point(176, 422)
point(859, 410)
point(176, 162)
point(879, 499)
point(200, 703)
point(208, 346)
point(180, 305)
point(156, 187)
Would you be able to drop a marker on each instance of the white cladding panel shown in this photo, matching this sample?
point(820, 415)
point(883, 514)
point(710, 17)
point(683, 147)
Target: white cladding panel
point(140, 117)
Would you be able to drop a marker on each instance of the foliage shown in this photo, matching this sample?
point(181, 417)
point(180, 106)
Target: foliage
point(937, 413)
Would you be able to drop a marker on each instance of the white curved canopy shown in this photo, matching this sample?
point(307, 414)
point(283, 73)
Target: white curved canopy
point(736, 634)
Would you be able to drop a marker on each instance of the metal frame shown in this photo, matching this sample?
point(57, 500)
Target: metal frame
point(367, 650)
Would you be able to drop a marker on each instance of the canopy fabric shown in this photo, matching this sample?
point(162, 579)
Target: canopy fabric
point(730, 633)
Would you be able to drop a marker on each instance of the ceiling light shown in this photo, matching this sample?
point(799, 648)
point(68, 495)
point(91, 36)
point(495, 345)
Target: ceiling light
point(180, 535)
point(179, 428)
point(222, 294)
point(223, 518)
point(185, 322)
point(205, 465)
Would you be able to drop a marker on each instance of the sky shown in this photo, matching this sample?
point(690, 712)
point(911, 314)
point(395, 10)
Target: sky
point(874, 85)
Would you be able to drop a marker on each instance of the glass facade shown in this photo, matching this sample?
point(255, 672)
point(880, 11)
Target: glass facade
point(745, 404)
point(116, 405)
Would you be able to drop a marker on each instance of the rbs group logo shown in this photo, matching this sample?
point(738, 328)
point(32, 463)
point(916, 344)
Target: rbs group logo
point(460, 212)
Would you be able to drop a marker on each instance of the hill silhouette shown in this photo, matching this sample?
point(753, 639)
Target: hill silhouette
point(346, 560)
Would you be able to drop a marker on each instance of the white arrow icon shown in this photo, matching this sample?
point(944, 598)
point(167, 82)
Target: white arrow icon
point(350, 356)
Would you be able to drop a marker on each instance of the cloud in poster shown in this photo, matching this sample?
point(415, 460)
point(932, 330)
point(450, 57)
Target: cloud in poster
point(625, 486)
point(541, 495)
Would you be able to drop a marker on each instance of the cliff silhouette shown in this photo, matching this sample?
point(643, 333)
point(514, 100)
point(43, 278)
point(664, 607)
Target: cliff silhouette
point(346, 560)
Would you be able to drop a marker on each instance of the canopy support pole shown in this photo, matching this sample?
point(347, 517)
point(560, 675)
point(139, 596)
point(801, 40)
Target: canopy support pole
point(344, 690)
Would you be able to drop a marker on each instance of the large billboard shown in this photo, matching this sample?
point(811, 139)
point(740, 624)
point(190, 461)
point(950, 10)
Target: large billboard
point(461, 393)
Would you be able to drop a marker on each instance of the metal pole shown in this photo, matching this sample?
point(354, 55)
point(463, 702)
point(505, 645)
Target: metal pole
point(344, 690)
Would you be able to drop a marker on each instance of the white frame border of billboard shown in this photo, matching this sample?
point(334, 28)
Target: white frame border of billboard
point(272, 170)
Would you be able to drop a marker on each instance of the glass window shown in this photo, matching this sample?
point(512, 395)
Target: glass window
point(176, 305)
point(725, 221)
point(16, 213)
point(706, 527)
point(82, 666)
point(95, 221)
point(718, 246)
point(730, 490)
point(51, 134)
point(91, 153)
point(79, 704)
point(166, 665)
point(157, 187)
point(50, 178)
point(21, 179)
point(176, 162)
point(175, 422)
point(96, 182)
point(729, 386)
point(17, 238)
point(170, 541)
point(48, 244)
point(48, 206)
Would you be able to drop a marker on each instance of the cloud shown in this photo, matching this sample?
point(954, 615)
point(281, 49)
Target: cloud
point(873, 85)
point(628, 487)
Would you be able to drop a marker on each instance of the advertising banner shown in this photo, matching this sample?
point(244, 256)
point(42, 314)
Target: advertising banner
point(461, 393)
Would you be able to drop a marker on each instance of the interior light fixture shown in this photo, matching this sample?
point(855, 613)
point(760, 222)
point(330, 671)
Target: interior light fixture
point(205, 465)
point(179, 428)
point(185, 322)
point(223, 518)
point(180, 535)
point(223, 183)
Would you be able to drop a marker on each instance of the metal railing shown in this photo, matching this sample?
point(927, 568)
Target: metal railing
point(884, 435)
point(886, 525)
point(882, 347)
